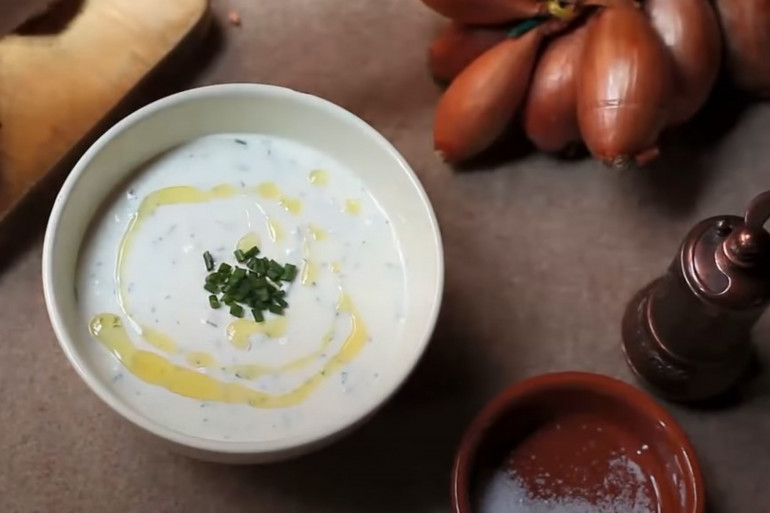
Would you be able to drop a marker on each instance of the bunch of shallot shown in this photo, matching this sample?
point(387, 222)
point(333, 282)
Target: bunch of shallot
point(611, 74)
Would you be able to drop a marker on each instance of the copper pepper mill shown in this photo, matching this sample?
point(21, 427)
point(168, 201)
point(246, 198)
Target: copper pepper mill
point(687, 334)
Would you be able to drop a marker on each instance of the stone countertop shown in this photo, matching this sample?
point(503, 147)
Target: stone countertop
point(541, 256)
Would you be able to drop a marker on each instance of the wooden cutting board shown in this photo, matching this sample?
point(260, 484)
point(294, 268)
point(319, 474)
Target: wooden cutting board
point(60, 76)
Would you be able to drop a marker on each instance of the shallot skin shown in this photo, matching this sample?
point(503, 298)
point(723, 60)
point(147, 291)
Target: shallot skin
point(483, 99)
point(456, 46)
point(487, 12)
point(624, 86)
point(746, 30)
point(690, 31)
point(550, 113)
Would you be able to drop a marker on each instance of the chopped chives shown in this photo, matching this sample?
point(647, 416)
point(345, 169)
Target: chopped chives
point(289, 272)
point(209, 261)
point(254, 285)
point(262, 294)
point(238, 274)
point(242, 293)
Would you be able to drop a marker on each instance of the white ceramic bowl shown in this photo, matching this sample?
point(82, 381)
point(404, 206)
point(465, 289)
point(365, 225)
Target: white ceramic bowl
point(257, 109)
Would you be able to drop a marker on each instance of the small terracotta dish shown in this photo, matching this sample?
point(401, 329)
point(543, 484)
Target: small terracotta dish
point(575, 443)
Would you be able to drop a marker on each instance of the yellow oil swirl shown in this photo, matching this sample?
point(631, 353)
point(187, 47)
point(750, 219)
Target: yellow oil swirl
point(248, 241)
point(253, 371)
point(201, 360)
point(275, 230)
point(169, 196)
point(309, 273)
point(352, 207)
point(316, 232)
point(240, 332)
point(291, 205)
point(184, 194)
point(335, 267)
point(319, 178)
point(160, 341)
point(270, 190)
point(157, 370)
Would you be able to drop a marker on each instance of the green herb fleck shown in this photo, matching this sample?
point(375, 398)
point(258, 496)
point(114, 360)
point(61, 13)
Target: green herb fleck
point(289, 272)
point(209, 261)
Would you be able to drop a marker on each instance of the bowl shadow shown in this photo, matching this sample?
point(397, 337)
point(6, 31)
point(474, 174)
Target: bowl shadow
point(401, 459)
point(673, 183)
point(56, 19)
point(511, 146)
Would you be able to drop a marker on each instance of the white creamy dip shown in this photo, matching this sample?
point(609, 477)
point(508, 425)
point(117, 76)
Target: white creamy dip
point(203, 372)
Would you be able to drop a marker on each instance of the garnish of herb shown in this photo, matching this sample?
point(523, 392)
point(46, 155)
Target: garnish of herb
point(257, 286)
point(209, 261)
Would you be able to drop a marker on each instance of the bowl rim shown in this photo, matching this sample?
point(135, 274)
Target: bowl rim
point(590, 383)
point(265, 447)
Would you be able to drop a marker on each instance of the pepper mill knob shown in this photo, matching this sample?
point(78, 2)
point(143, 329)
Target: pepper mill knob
point(687, 334)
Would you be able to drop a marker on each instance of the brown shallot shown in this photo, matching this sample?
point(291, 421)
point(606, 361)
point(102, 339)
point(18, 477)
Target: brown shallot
point(690, 31)
point(550, 112)
point(623, 87)
point(746, 28)
point(481, 101)
point(456, 46)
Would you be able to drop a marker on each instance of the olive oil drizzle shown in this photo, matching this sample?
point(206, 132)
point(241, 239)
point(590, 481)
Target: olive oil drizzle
point(157, 369)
